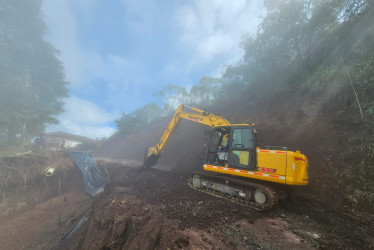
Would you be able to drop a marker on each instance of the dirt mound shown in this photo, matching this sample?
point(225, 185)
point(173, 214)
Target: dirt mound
point(35, 207)
point(173, 216)
point(152, 209)
point(24, 181)
point(156, 210)
point(36, 227)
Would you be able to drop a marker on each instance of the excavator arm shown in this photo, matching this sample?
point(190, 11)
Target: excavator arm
point(152, 154)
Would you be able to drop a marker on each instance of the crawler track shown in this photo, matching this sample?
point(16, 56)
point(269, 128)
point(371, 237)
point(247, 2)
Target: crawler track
point(271, 195)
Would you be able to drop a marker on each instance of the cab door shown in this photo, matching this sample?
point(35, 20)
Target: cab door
point(242, 151)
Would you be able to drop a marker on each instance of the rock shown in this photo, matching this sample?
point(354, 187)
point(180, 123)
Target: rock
point(245, 238)
point(316, 236)
point(120, 189)
point(283, 215)
point(21, 205)
point(201, 202)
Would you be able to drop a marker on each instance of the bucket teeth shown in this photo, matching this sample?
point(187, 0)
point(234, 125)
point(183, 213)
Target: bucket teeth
point(150, 161)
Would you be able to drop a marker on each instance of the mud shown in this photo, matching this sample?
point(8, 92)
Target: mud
point(157, 210)
point(153, 209)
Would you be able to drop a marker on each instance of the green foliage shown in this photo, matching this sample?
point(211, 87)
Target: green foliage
point(129, 123)
point(206, 92)
point(298, 41)
point(147, 113)
point(173, 95)
point(202, 94)
point(31, 77)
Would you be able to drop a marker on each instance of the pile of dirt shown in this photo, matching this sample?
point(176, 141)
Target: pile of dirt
point(171, 216)
point(36, 207)
point(153, 209)
point(24, 181)
point(156, 210)
point(46, 222)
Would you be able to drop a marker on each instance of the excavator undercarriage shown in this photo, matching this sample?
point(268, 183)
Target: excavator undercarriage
point(255, 195)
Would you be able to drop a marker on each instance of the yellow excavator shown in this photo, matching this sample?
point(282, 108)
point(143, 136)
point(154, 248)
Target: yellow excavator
point(235, 167)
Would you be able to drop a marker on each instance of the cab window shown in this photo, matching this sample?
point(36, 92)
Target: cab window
point(242, 138)
point(215, 139)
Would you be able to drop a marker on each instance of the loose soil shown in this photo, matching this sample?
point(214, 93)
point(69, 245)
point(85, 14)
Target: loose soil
point(154, 209)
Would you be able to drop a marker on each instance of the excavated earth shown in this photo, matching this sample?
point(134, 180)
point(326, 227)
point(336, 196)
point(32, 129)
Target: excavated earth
point(155, 209)
point(152, 209)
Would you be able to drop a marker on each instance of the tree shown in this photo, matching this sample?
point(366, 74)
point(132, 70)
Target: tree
point(173, 96)
point(204, 93)
point(294, 40)
point(31, 77)
point(147, 113)
point(129, 123)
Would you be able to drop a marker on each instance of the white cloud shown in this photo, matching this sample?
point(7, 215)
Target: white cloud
point(83, 111)
point(84, 118)
point(205, 31)
point(82, 64)
point(214, 28)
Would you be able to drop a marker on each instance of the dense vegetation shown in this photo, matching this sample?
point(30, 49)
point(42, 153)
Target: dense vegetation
point(31, 77)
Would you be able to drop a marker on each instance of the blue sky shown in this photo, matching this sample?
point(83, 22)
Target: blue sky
point(118, 53)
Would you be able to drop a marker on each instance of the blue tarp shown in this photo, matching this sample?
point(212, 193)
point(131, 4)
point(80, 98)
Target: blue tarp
point(94, 179)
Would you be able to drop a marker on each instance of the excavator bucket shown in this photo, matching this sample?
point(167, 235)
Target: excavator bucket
point(150, 157)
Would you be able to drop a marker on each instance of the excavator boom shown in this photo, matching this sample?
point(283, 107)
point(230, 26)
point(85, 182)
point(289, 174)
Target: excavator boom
point(200, 116)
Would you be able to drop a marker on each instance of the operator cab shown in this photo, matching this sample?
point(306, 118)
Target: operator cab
point(234, 146)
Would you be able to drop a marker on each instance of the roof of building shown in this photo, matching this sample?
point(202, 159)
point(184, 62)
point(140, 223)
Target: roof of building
point(69, 136)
